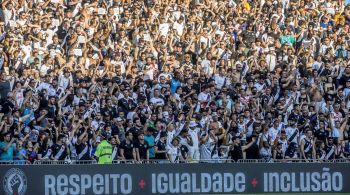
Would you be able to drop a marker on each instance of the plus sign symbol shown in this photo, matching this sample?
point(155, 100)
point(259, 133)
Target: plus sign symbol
point(254, 182)
point(142, 183)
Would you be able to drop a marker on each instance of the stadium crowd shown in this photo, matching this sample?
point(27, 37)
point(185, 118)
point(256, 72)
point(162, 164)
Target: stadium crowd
point(174, 80)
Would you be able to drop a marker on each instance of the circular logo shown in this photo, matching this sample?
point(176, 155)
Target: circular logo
point(15, 182)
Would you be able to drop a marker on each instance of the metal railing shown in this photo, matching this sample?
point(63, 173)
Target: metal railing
point(64, 162)
point(293, 161)
point(158, 161)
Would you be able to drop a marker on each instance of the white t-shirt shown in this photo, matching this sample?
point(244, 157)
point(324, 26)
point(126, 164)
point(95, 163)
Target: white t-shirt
point(164, 28)
point(173, 152)
point(194, 135)
point(273, 133)
point(44, 68)
point(179, 28)
point(204, 97)
point(27, 50)
point(219, 81)
point(7, 15)
point(157, 101)
point(290, 131)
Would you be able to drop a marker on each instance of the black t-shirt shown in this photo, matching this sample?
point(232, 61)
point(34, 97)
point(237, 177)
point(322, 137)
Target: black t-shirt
point(321, 135)
point(302, 122)
point(127, 104)
point(142, 147)
point(320, 153)
point(59, 148)
point(43, 151)
point(5, 88)
point(83, 154)
point(128, 149)
point(161, 147)
point(249, 37)
point(51, 111)
point(188, 89)
point(112, 111)
point(61, 32)
point(253, 152)
point(343, 79)
point(330, 152)
point(236, 153)
point(184, 151)
point(135, 132)
point(279, 154)
point(6, 106)
point(186, 108)
point(290, 152)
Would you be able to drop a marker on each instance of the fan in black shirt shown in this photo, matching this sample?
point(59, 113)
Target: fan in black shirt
point(142, 148)
point(291, 152)
point(60, 149)
point(135, 130)
point(127, 147)
point(185, 153)
point(160, 149)
point(330, 149)
point(44, 151)
point(236, 150)
point(83, 147)
point(321, 134)
point(115, 143)
point(278, 152)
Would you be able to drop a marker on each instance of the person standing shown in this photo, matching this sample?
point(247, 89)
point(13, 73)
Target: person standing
point(208, 142)
point(7, 148)
point(60, 150)
point(5, 87)
point(307, 146)
point(150, 139)
point(142, 148)
point(160, 148)
point(194, 134)
point(330, 149)
point(104, 151)
point(127, 148)
point(236, 149)
point(173, 151)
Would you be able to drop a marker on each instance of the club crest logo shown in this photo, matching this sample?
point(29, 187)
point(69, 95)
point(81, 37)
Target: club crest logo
point(15, 182)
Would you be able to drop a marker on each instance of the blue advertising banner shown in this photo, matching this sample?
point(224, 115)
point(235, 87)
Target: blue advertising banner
point(175, 178)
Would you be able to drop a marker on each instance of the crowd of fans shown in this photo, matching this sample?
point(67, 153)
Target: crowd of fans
point(174, 80)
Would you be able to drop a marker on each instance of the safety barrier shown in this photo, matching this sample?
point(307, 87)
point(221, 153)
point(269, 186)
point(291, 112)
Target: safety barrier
point(157, 161)
point(63, 162)
point(182, 178)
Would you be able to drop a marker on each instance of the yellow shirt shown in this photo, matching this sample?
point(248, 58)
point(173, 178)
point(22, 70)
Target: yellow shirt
point(104, 153)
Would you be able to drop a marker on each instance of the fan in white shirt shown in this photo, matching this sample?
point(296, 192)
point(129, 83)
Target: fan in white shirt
point(156, 100)
point(219, 80)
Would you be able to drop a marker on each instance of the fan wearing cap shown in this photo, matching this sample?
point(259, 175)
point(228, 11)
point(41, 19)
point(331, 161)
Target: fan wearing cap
point(104, 150)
